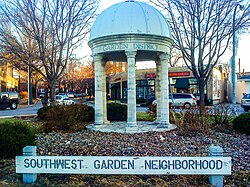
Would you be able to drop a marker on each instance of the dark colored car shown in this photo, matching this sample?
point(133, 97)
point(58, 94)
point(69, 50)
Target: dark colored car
point(9, 99)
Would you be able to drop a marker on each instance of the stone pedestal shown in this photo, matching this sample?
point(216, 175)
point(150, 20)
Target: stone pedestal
point(29, 178)
point(216, 180)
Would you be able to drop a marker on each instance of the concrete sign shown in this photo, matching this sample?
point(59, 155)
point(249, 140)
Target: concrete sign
point(123, 165)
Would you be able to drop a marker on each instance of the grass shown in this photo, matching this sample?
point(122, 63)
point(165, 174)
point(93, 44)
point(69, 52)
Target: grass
point(11, 120)
point(144, 116)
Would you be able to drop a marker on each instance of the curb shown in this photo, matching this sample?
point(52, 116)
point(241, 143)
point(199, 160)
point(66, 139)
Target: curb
point(19, 116)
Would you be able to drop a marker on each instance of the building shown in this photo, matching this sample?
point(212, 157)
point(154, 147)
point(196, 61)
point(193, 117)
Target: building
point(242, 86)
point(181, 80)
point(7, 80)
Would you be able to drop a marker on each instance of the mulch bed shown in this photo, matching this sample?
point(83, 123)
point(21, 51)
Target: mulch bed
point(173, 143)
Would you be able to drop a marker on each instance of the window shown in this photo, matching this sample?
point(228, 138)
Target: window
point(180, 96)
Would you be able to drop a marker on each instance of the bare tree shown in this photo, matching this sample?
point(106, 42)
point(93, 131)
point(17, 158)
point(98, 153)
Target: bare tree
point(77, 74)
point(56, 26)
point(84, 74)
point(202, 30)
point(21, 53)
point(175, 57)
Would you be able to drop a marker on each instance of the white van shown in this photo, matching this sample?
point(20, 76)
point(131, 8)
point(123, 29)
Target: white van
point(184, 100)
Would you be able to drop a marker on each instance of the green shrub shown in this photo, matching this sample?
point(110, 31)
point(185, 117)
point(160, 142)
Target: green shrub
point(65, 117)
point(116, 112)
point(14, 136)
point(242, 123)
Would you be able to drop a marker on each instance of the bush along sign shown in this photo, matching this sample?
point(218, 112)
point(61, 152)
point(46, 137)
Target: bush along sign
point(214, 165)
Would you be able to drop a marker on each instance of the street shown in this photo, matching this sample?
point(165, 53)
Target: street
point(20, 111)
point(32, 110)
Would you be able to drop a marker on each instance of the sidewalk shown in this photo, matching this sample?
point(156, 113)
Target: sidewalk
point(24, 103)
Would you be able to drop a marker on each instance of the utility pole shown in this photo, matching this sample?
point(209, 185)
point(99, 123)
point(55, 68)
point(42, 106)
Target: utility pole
point(233, 60)
point(28, 84)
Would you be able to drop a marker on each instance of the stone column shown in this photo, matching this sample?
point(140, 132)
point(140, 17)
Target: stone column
point(104, 90)
point(158, 90)
point(164, 123)
point(98, 90)
point(131, 119)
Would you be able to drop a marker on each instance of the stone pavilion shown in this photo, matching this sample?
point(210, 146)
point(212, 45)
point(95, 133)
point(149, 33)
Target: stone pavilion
point(131, 31)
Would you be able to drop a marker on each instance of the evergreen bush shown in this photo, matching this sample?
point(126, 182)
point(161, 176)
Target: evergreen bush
point(116, 112)
point(242, 123)
point(14, 136)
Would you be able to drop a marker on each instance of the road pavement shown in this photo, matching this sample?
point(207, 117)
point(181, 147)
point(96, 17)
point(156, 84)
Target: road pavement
point(22, 110)
point(32, 110)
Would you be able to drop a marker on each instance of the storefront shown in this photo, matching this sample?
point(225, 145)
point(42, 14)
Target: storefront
point(181, 80)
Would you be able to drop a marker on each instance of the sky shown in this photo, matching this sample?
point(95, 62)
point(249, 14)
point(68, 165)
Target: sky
point(243, 49)
point(104, 4)
point(243, 52)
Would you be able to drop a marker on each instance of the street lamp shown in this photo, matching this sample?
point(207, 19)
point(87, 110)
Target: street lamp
point(233, 60)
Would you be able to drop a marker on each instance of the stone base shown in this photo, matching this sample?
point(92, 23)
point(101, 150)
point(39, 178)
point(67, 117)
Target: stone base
point(106, 122)
point(131, 127)
point(131, 124)
point(96, 126)
point(164, 124)
point(122, 127)
point(98, 123)
point(101, 123)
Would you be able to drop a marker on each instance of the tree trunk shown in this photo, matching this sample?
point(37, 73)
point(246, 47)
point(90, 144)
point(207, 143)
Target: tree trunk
point(52, 85)
point(30, 88)
point(202, 93)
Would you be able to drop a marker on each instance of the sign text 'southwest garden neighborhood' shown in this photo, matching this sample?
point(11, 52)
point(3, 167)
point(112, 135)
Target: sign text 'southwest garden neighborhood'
point(123, 165)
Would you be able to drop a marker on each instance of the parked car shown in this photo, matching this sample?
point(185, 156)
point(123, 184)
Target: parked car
point(78, 94)
point(245, 102)
point(64, 100)
point(184, 100)
point(70, 94)
point(9, 99)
